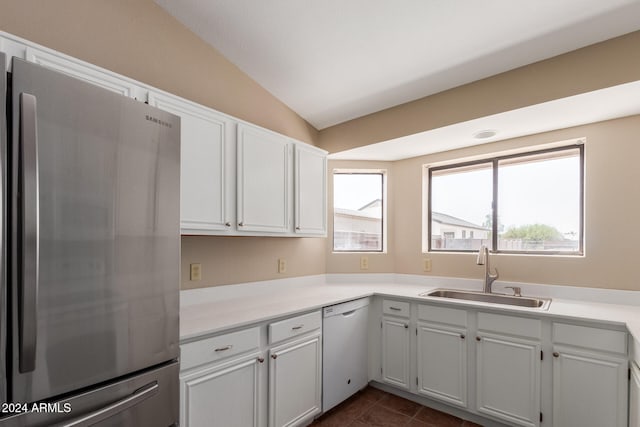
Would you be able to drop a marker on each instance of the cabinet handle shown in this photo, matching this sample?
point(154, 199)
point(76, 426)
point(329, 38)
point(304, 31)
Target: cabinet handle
point(274, 356)
point(478, 338)
point(241, 224)
point(295, 328)
point(556, 354)
point(260, 359)
point(228, 347)
point(227, 224)
point(298, 228)
point(395, 308)
point(462, 336)
point(406, 326)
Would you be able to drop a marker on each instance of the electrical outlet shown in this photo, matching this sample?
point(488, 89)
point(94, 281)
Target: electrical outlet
point(426, 264)
point(282, 265)
point(195, 273)
point(364, 263)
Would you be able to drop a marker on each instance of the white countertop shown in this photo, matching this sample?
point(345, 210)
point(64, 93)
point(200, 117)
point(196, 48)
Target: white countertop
point(211, 310)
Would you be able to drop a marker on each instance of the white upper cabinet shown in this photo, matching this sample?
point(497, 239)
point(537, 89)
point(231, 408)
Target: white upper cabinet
point(236, 178)
point(84, 71)
point(206, 173)
point(263, 180)
point(310, 184)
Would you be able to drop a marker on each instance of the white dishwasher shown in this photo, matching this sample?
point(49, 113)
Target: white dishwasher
point(344, 354)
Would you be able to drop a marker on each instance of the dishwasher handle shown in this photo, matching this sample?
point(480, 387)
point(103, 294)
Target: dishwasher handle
point(349, 313)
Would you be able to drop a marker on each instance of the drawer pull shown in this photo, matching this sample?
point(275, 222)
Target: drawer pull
point(261, 359)
point(556, 354)
point(395, 308)
point(478, 338)
point(462, 336)
point(225, 348)
point(227, 224)
point(274, 356)
point(295, 328)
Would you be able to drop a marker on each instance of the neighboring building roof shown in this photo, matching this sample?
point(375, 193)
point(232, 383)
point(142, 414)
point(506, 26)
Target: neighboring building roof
point(357, 213)
point(452, 220)
point(372, 204)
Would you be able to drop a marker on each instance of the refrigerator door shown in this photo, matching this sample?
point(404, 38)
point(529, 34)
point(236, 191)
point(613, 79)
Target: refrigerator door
point(96, 251)
point(3, 282)
point(148, 399)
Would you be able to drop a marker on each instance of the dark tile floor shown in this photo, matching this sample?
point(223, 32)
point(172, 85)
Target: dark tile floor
point(375, 408)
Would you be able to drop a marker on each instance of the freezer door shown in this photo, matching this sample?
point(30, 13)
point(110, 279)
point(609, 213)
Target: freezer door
point(96, 250)
point(145, 400)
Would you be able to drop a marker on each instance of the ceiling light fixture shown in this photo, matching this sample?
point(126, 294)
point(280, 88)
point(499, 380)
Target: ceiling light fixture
point(484, 134)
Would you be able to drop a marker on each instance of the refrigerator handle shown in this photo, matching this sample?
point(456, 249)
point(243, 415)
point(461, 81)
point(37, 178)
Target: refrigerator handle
point(29, 262)
point(115, 408)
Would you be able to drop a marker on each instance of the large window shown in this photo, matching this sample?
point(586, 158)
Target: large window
point(524, 203)
point(358, 211)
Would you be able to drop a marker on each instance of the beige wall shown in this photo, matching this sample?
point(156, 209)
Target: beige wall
point(136, 38)
point(612, 213)
point(605, 64)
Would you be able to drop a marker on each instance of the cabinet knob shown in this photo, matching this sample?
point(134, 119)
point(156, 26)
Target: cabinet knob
point(274, 356)
point(556, 354)
point(462, 336)
point(260, 359)
point(241, 224)
point(478, 338)
point(227, 224)
point(406, 326)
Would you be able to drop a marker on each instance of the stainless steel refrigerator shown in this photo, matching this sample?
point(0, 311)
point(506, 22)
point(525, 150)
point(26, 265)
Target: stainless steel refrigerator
point(90, 245)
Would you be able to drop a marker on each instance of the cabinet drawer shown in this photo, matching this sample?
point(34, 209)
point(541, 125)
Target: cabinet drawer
point(449, 316)
point(218, 348)
point(294, 326)
point(588, 337)
point(396, 308)
point(510, 325)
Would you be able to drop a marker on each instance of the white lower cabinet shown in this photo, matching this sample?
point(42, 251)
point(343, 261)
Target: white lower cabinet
point(222, 396)
point(590, 376)
point(634, 396)
point(396, 345)
point(442, 354)
point(508, 379)
point(226, 382)
point(295, 382)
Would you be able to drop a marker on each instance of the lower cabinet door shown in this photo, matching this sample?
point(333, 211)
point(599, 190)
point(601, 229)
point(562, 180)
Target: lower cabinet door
point(395, 352)
point(634, 397)
point(508, 379)
point(222, 396)
point(295, 382)
point(589, 390)
point(442, 363)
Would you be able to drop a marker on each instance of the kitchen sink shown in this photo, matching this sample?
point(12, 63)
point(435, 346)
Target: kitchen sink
point(531, 302)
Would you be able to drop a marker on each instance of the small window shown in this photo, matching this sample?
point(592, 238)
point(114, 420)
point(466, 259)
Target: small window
point(524, 203)
point(358, 211)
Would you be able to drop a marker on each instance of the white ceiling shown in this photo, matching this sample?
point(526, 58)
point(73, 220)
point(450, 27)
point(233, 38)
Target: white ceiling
point(336, 60)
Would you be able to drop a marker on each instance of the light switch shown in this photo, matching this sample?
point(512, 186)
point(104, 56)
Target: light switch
point(195, 272)
point(364, 263)
point(427, 264)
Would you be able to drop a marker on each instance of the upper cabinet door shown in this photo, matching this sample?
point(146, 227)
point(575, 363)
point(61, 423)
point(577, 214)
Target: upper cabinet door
point(84, 71)
point(310, 182)
point(206, 185)
point(263, 180)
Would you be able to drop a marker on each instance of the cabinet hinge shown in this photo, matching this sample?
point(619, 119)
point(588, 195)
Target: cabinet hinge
point(416, 331)
point(380, 325)
point(629, 374)
point(416, 380)
point(540, 416)
point(542, 355)
point(381, 370)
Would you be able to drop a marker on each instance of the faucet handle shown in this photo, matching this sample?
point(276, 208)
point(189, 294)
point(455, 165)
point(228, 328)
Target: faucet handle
point(517, 292)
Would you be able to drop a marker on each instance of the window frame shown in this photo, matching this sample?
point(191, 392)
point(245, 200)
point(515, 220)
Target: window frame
point(383, 220)
point(494, 162)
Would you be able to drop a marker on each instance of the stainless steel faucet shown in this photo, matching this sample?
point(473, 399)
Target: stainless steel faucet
point(483, 259)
